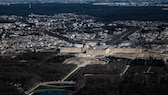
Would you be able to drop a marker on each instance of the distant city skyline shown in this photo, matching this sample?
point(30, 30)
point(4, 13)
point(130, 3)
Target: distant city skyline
point(72, 1)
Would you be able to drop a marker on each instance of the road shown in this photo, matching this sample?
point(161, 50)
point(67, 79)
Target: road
point(66, 77)
point(119, 38)
point(79, 66)
point(153, 43)
point(148, 70)
point(63, 37)
point(125, 70)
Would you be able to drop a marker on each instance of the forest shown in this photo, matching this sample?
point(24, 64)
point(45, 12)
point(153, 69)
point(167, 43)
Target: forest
point(21, 72)
point(144, 77)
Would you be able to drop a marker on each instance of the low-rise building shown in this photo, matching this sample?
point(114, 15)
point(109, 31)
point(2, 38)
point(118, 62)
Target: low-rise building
point(125, 50)
point(97, 51)
point(70, 50)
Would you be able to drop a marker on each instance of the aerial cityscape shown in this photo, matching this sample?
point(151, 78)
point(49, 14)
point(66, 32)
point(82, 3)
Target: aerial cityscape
point(83, 47)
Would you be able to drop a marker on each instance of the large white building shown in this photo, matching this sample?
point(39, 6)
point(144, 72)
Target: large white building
point(125, 50)
point(97, 51)
point(70, 50)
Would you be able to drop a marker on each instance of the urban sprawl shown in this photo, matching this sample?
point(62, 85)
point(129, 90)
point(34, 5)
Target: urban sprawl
point(83, 35)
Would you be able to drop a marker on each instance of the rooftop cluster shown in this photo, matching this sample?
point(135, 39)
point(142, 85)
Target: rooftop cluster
point(51, 32)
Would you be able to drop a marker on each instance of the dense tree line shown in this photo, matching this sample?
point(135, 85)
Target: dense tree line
point(26, 70)
point(134, 82)
point(148, 62)
point(6, 89)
